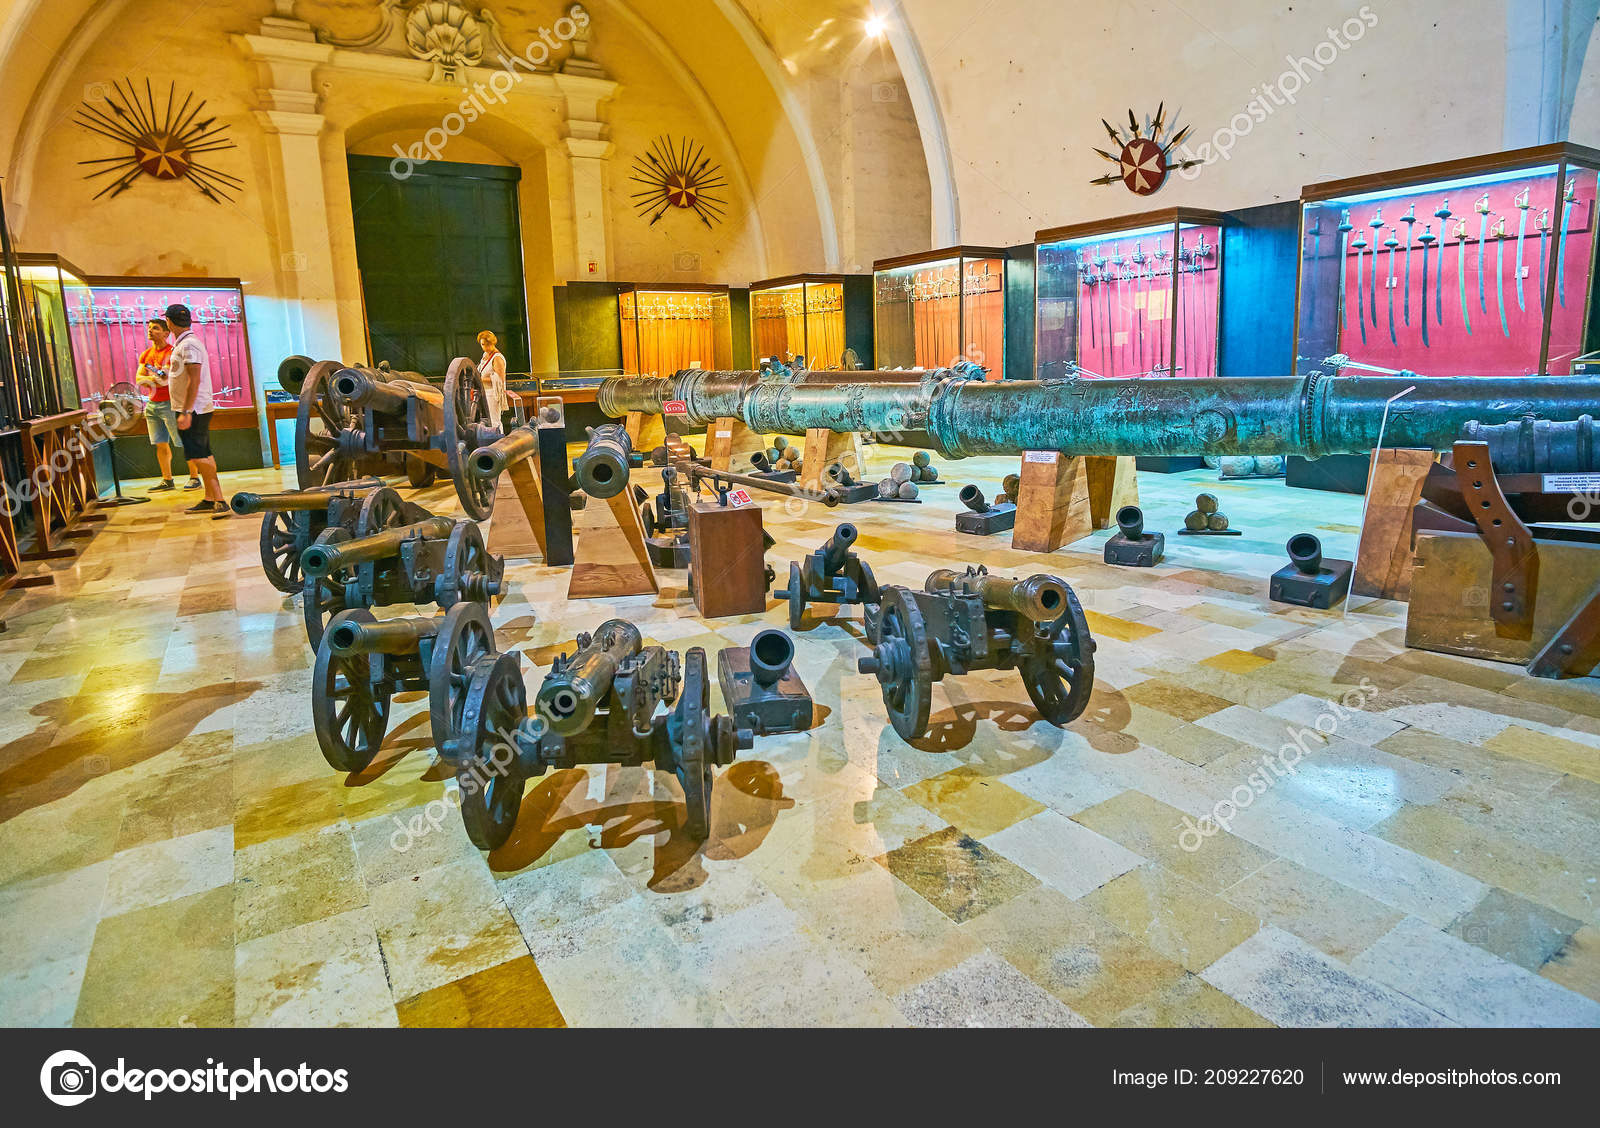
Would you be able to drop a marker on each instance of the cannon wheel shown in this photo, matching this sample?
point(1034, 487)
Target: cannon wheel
point(419, 474)
point(382, 509)
point(284, 536)
point(903, 634)
point(324, 598)
point(797, 596)
point(647, 514)
point(465, 636)
point(317, 457)
point(1057, 665)
point(466, 409)
point(350, 713)
point(468, 567)
point(868, 588)
point(693, 733)
point(496, 702)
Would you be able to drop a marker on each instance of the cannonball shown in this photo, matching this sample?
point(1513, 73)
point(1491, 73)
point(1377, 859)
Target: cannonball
point(930, 473)
point(900, 472)
point(784, 464)
point(1012, 485)
point(1271, 465)
point(1207, 503)
point(921, 459)
point(908, 491)
point(792, 453)
point(1238, 466)
point(775, 453)
point(1195, 522)
point(887, 487)
point(1216, 522)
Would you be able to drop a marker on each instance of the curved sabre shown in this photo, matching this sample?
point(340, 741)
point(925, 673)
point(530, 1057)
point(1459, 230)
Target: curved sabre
point(1361, 313)
point(1443, 216)
point(1427, 240)
point(1499, 233)
point(1461, 272)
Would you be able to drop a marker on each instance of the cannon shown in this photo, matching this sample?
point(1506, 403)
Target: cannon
point(1311, 416)
point(763, 690)
point(982, 518)
point(601, 471)
point(500, 745)
point(1309, 580)
point(291, 521)
point(724, 480)
point(392, 559)
point(356, 419)
point(362, 662)
point(666, 523)
point(961, 622)
point(831, 574)
point(1131, 546)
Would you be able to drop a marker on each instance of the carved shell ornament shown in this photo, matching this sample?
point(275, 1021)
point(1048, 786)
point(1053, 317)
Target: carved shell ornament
point(446, 35)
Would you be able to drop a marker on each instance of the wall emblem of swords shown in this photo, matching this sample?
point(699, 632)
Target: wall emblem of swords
point(1143, 158)
point(161, 138)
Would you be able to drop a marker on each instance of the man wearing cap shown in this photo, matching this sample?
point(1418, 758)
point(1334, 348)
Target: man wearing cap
point(190, 377)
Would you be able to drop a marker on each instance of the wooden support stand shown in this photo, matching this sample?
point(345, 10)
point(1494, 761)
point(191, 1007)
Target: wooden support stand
point(728, 439)
point(516, 528)
point(1064, 499)
point(1394, 486)
point(68, 498)
point(823, 448)
point(646, 432)
point(612, 559)
point(728, 572)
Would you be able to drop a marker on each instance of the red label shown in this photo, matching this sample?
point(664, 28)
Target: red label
point(675, 407)
point(738, 498)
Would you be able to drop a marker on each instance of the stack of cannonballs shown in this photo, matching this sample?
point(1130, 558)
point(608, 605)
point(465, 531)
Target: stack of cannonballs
point(1010, 487)
point(903, 477)
point(782, 456)
point(1207, 515)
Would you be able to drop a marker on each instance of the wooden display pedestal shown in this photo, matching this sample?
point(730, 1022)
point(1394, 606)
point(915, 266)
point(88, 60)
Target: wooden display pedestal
point(1384, 558)
point(612, 559)
point(728, 572)
point(728, 439)
point(1064, 499)
point(516, 527)
point(824, 448)
point(646, 432)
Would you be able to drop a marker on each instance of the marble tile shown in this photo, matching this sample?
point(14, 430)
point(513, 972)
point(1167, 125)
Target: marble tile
point(1515, 929)
point(983, 991)
point(283, 811)
point(1063, 854)
point(1577, 966)
point(1467, 984)
point(512, 994)
point(1328, 915)
point(44, 995)
point(1553, 752)
point(50, 917)
point(1290, 983)
point(283, 883)
point(1189, 1003)
point(957, 874)
point(1155, 831)
point(327, 972)
point(973, 802)
point(542, 900)
point(442, 925)
point(1176, 699)
point(1174, 917)
point(169, 869)
point(167, 965)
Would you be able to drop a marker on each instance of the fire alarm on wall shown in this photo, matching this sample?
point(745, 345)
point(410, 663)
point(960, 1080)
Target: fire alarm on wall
point(594, 267)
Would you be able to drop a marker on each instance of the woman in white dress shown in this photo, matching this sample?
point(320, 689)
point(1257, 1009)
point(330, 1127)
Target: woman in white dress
point(492, 371)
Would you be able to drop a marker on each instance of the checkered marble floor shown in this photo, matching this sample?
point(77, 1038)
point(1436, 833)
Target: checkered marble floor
point(175, 851)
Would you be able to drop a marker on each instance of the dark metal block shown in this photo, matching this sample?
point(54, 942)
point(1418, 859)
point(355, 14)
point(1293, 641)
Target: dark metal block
point(996, 519)
point(1140, 552)
point(784, 706)
point(1319, 590)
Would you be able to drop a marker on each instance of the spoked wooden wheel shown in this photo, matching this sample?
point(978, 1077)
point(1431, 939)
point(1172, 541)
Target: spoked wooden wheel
point(1057, 665)
point(284, 536)
point(350, 713)
point(902, 662)
point(382, 510)
point(489, 770)
point(465, 636)
point(324, 597)
point(467, 425)
point(469, 571)
point(318, 454)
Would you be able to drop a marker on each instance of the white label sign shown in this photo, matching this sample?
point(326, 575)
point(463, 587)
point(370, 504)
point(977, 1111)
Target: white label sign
point(1571, 483)
point(1040, 456)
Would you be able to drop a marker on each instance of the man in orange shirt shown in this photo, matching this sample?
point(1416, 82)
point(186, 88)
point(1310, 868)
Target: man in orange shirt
point(159, 419)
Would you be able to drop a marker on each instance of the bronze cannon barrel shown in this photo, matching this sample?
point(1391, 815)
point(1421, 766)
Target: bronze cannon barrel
point(386, 636)
point(1039, 598)
point(828, 495)
point(321, 560)
point(489, 462)
point(601, 471)
point(317, 497)
point(837, 548)
point(361, 389)
point(1311, 416)
point(569, 695)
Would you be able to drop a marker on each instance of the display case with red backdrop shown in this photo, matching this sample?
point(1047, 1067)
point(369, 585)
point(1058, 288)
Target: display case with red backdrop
point(1480, 267)
point(1134, 296)
point(668, 327)
point(933, 309)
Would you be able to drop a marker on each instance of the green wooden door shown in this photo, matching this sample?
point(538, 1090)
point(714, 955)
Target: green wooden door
point(441, 260)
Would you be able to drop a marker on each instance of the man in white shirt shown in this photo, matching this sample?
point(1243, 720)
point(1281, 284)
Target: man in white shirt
point(189, 374)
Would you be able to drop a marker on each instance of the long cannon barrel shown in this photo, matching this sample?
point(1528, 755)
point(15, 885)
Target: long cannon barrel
point(1038, 598)
point(317, 497)
point(362, 388)
point(387, 636)
point(324, 559)
point(602, 469)
point(1311, 416)
point(489, 462)
point(838, 546)
point(696, 474)
point(570, 695)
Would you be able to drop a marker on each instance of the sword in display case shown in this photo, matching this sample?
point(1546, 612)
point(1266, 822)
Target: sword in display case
point(1360, 245)
point(1391, 242)
point(1482, 208)
point(1345, 227)
point(1461, 271)
point(1443, 215)
point(1544, 232)
point(1522, 229)
point(1376, 223)
point(1499, 233)
point(1410, 220)
point(1568, 198)
point(1427, 239)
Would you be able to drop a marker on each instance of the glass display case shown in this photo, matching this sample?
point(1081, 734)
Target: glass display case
point(1478, 267)
point(1135, 296)
point(667, 328)
point(812, 320)
point(52, 291)
point(933, 309)
point(109, 331)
